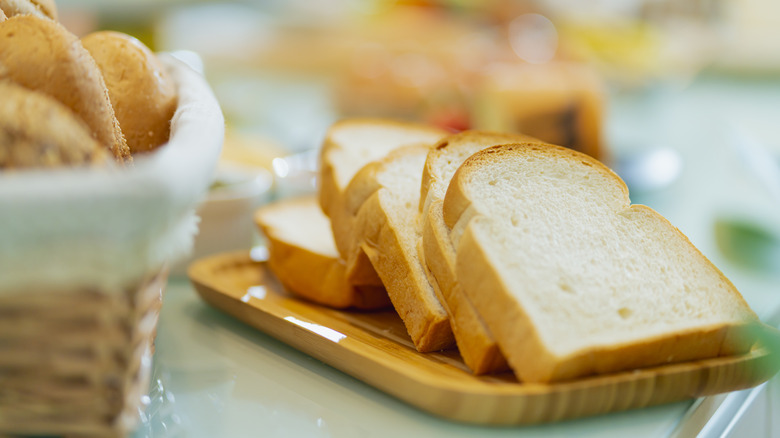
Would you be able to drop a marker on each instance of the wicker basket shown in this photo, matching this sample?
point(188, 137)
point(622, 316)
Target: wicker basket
point(76, 362)
point(82, 274)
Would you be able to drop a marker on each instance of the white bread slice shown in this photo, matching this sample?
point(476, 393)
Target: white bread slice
point(571, 279)
point(349, 145)
point(477, 346)
point(384, 196)
point(303, 256)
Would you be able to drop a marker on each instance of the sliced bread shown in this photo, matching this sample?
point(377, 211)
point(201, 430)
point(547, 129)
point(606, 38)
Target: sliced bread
point(348, 146)
point(303, 256)
point(573, 280)
point(384, 196)
point(475, 342)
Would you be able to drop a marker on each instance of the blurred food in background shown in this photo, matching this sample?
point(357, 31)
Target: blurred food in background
point(289, 69)
point(448, 64)
point(594, 76)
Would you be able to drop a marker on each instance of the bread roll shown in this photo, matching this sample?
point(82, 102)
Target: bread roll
point(142, 94)
point(42, 55)
point(41, 8)
point(36, 131)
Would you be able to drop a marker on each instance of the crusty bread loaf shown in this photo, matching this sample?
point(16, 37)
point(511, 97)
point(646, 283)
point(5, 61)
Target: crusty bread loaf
point(41, 8)
point(348, 146)
point(573, 280)
point(142, 93)
point(303, 256)
point(40, 54)
point(477, 346)
point(37, 131)
point(383, 198)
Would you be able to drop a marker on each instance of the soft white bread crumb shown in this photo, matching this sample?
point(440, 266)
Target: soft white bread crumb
point(571, 279)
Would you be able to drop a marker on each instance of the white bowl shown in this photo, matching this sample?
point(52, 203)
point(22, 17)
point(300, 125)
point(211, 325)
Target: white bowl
point(226, 222)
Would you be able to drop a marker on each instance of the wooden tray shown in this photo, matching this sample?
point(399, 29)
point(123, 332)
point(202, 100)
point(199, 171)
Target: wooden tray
point(374, 347)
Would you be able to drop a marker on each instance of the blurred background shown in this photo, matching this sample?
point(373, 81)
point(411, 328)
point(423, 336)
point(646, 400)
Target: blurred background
point(681, 98)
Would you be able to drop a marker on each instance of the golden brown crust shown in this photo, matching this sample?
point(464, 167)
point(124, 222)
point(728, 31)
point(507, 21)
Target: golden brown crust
point(476, 344)
point(142, 93)
point(317, 277)
point(425, 319)
point(41, 55)
point(376, 234)
point(441, 149)
point(37, 131)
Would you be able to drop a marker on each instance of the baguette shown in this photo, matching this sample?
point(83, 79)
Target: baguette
point(303, 256)
point(383, 198)
point(475, 342)
point(348, 146)
point(571, 279)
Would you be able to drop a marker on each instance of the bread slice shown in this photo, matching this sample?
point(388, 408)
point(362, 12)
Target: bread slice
point(349, 145)
point(573, 280)
point(475, 342)
point(303, 256)
point(383, 196)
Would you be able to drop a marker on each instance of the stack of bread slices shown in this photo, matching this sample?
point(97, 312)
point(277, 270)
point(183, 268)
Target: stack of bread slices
point(523, 255)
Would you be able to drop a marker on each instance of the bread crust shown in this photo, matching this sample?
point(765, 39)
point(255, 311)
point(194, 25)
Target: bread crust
point(333, 186)
point(398, 265)
point(41, 55)
point(412, 296)
point(512, 326)
point(37, 131)
point(142, 93)
point(41, 8)
point(318, 277)
point(477, 346)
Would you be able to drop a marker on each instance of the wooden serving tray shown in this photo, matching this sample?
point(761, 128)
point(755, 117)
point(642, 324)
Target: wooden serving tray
point(374, 347)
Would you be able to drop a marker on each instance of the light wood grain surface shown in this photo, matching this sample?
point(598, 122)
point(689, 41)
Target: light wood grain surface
point(374, 347)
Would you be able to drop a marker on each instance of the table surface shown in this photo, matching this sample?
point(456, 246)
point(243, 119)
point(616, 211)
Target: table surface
point(214, 376)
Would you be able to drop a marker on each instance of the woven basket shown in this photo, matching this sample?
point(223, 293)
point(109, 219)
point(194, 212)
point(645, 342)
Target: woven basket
point(83, 256)
point(76, 362)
